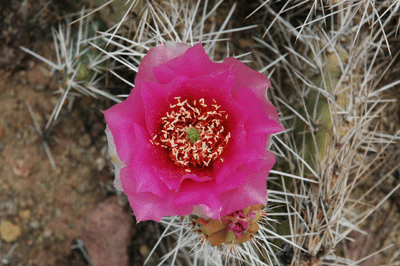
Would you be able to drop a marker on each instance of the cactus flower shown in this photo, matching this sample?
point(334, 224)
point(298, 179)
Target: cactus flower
point(192, 137)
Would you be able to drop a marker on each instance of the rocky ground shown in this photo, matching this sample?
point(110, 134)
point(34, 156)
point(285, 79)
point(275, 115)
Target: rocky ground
point(48, 214)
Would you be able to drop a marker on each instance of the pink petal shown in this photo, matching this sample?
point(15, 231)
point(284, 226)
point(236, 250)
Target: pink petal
point(207, 193)
point(236, 154)
point(252, 192)
point(254, 80)
point(248, 78)
point(156, 56)
point(216, 86)
point(194, 193)
point(173, 176)
point(148, 206)
point(258, 124)
point(157, 99)
point(195, 178)
point(121, 119)
point(140, 175)
point(193, 63)
point(235, 180)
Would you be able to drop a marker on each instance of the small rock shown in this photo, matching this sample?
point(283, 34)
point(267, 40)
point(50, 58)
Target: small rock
point(107, 234)
point(144, 251)
point(85, 141)
point(34, 225)
point(82, 188)
point(40, 87)
point(100, 163)
point(24, 81)
point(9, 232)
point(47, 233)
point(7, 207)
point(25, 214)
point(22, 168)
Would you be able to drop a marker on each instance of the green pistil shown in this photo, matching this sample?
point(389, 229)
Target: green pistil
point(192, 134)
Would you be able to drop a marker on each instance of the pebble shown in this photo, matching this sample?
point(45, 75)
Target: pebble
point(144, 251)
point(100, 163)
point(34, 225)
point(9, 232)
point(25, 214)
point(107, 234)
point(47, 233)
point(40, 87)
point(22, 168)
point(85, 141)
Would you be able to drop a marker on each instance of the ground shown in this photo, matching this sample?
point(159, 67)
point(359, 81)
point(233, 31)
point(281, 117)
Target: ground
point(44, 211)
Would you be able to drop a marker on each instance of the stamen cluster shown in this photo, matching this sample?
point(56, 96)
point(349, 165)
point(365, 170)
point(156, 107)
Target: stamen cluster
point(193, 133)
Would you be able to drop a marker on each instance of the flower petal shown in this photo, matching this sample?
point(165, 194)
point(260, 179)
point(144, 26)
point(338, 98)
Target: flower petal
point(193, 63)
point(157, 56)
point(252, 192)
point(258, 124)
point(248, 78)
point(148, 206)
point(207, 193)
point(235, 180)
point(237, 153)
point(120, 119)
point(194, 193)
point(157, 99)
point(254, 80)
point(116, 161)
point(140, 174)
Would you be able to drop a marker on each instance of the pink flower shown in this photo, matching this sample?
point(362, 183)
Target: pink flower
point(192, 135)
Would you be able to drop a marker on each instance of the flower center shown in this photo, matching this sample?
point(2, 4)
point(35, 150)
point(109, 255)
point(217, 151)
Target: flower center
point(193, 133)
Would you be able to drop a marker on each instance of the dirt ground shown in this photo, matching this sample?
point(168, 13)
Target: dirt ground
point(45, 212)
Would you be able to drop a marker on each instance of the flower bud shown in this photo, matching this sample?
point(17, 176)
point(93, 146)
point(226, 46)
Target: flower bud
point(237, 227)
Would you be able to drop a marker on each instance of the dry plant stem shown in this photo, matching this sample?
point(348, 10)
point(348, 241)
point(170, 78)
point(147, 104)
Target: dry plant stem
point(77, 66)
point(40, 133)
point(350, 86)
